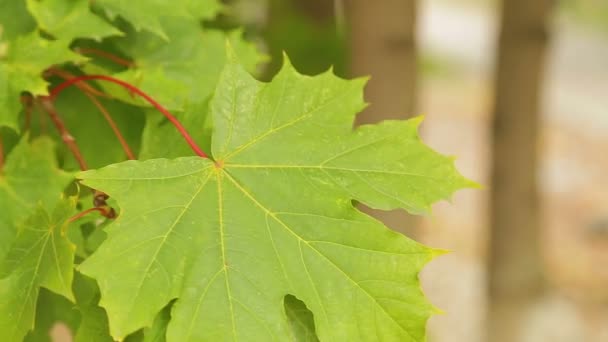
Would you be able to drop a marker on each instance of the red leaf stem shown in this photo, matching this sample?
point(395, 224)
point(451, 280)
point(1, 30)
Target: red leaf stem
point(67, 138)
point(28, 105)
point(81, 85)
point(112, 123)
point(105, 212)
point(86, 89)
point(109, 56)
point(181, 129)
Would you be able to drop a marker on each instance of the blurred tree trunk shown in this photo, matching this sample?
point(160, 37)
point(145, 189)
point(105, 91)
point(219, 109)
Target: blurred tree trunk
point(515, 265)
point(383, 45)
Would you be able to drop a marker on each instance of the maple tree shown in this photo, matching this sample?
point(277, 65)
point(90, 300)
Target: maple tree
point(234, 218)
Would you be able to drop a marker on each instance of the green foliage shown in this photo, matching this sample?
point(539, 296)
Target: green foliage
point(70, 19)
point(239, 240)
point(24, 60)
point(591, 13)
point(40, 256)
point(259, 242)
point(29, 178)
point(149, 16)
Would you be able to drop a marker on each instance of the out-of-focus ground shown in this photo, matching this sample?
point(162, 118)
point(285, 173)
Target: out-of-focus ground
point(458, 42)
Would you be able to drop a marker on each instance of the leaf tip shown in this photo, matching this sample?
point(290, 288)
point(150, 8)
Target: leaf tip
point(437, 252)
point(286, 61)
point(437, 311)
point(81, 175)
point(230, 52)
point(418, 120)
point(470, 184)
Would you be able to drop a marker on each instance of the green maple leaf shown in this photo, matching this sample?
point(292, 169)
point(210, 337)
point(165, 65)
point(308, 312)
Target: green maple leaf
point(29, 178)
point(41, 256)
point(273, 216)
point(11, 28)
point(70, 19)
point(147, 16)
point(21, 69)
point(182, 71)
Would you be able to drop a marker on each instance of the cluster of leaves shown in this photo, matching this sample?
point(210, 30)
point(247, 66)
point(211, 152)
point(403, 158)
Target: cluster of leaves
point(260, 241)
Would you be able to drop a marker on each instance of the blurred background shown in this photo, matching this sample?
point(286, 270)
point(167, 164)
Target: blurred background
point(518, 90)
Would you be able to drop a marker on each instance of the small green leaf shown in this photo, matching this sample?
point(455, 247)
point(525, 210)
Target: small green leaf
point(148, 16)
point(21, 70)
point(10, 28)
point(184, 70)
point(70, 19)
point(41, 256)
point(30, 177)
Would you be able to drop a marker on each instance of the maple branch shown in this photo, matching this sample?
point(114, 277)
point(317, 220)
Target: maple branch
point(109, 56)
point(105, 212)
point(67, 138)
point(181, 129)
point(86, 89)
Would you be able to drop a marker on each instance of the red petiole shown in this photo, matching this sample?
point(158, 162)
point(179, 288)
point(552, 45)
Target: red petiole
point(47, 104)
point(81, 85)
point(67, 138)
point(181, 129)
point(121, 139)
point(87, 90)
point(104, 211)
point(28, 105)
point(112, 57)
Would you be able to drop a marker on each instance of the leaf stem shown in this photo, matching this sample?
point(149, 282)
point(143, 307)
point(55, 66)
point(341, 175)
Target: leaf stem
point(181, 129)
point(67, 138)
point(109, 56)
point(28, 105)
point(81, 85)
point(86, 90)
point(112, 123)
point(103, 211)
